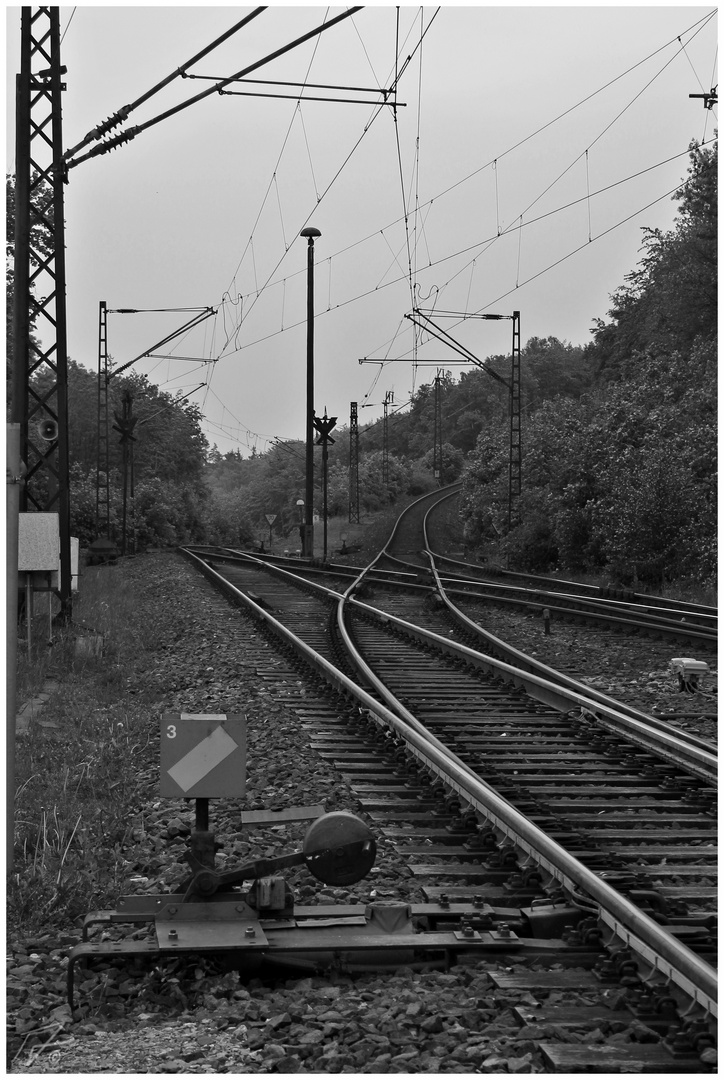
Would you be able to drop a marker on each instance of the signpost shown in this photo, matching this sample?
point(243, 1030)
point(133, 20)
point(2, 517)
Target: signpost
point(203, 756)
point(271, 518)
point(323, 426)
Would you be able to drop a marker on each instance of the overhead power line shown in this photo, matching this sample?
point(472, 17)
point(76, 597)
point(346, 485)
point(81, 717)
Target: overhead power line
point(130, 133)
point(319, 197)
point(195, 321)
point(445, 258)
point(125, 112)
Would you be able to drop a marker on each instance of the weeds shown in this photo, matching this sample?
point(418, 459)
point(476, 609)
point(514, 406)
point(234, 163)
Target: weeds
point(81, 766)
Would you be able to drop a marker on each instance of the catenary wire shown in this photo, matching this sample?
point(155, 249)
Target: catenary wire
point(377, 111)
point(700, 24)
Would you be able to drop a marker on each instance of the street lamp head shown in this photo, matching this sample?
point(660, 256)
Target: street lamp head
point(310, 232)
point(300, 502)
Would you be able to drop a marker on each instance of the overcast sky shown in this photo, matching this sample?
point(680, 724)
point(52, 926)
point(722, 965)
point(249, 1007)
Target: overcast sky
point(529, 148)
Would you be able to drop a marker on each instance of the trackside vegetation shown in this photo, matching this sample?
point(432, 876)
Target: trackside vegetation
point(619, 442)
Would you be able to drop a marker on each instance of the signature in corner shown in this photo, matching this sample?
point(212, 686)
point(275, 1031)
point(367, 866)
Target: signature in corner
point(51, 1031)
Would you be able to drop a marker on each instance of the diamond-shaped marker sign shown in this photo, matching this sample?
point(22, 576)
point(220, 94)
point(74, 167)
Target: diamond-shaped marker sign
point(203, 755)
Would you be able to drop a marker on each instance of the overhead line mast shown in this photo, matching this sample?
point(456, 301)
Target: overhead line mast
point(515, 484)
point(40, 355)
point(39, 385)
point(424, 321)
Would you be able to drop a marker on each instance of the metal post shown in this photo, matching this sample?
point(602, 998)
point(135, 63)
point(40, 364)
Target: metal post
point(389, 397)
point(125, 447)
point(437, 437)
point(12, 507)
point(40, 358)
point(324, 498)
point(353, 464)
point(515, 480)
point(103, 481)
point(21, 272)
point(308, 550)
point(202, 815)
point(125, 424)
point(300, 504)
point(56, 72)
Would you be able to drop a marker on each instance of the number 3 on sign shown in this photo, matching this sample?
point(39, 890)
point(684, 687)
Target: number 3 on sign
point(171, 731)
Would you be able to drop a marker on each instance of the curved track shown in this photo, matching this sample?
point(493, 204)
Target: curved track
point(580, 796)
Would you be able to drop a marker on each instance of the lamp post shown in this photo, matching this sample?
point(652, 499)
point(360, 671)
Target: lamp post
point(308, 547)
point(300, 504)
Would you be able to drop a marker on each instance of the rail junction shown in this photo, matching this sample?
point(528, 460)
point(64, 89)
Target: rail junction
point(542, 821)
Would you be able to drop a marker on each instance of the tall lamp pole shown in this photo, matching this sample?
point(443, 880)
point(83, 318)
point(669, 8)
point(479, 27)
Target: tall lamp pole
point(308, 546)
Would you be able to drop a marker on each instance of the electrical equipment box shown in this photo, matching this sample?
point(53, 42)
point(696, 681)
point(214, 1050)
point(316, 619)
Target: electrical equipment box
point(689, 672)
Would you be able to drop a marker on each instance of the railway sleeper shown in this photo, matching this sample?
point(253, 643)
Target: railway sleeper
point(262, 928)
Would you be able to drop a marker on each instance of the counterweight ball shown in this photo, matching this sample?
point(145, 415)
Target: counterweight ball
point(339, 849)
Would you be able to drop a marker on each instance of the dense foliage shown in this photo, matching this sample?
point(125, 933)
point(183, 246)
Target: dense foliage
point(618, 437)
point(622, 479)
point(166, 497)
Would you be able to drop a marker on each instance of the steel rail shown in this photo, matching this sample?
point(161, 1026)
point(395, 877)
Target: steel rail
point(641, 599)
point(552, 687)
point(607, 612)
point(653, 605)
point(670, 747)
point(621, 612)
point(527, 662)
point(654, 735)
point(659, 948)
point(642, 934)
point(601, 609)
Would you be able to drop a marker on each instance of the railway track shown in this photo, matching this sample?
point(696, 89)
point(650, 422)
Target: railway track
point(504, 784)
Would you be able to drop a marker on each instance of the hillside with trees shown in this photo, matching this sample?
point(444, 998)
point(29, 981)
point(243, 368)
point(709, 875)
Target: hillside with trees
point(618, 440)
point(621, 479)
point(618, 443)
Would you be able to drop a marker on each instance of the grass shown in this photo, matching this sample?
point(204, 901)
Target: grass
point(79, 769)
point(91, 755)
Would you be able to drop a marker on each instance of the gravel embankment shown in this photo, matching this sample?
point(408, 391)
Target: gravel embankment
point(186, 1016)
point(629, 668)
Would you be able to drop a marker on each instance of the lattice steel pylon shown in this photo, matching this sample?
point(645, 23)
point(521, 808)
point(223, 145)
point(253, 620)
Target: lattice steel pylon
point(40, 356)
point(353, 464)
point(437, 438)
point(389, 398)
point(103, 484)
point(515, 460)
point(515, 478)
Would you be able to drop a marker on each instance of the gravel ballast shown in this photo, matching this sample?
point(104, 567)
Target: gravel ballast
point(189, 1016)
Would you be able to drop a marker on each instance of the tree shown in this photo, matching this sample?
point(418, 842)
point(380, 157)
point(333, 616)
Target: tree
point(483, 501)
point(645, 515)
point(551, 368)
point(452, 463)
point(669, 302)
